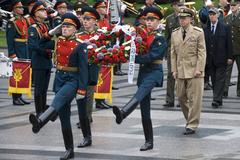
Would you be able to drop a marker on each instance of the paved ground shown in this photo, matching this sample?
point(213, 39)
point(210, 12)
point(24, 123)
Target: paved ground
point(218, 137)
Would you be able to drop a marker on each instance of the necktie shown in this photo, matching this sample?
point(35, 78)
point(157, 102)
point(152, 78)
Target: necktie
point(234, 17)
point(212, 30)
point(184, 34)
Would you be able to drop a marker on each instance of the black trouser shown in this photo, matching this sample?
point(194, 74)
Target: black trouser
point(41, 81)
point(16, 96)
point(218, 76)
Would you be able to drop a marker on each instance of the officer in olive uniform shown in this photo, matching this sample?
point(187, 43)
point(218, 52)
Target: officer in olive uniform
point(188, 58)
point(71, 80)
point(61, 8)
point(16, 35)
point(233, 20)
point(171, 24)
point(41, 59)
point(150, 76)
point(90, 17)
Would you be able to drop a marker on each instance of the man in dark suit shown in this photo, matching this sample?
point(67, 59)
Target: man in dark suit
point(219, 53)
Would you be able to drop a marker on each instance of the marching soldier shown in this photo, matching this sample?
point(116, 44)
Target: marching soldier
point(188, 58)
point(172, 23)
point(41, 59)
point(233, 20)
point(90, 17)
point(150, 75)
point(71, 81)
point(61, 8)
point(16, 35)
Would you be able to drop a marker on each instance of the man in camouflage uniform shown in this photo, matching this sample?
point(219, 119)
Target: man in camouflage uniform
point(171, 24)
point(233, 20)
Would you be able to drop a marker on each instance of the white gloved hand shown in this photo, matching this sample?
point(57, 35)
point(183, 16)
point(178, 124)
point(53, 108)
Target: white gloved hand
point(100, 56)
point(208, 3)
point(79, 96)
point(123, 8)
point(15, 59)
point(56, 30)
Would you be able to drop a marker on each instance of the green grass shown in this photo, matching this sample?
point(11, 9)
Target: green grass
point(3, 42)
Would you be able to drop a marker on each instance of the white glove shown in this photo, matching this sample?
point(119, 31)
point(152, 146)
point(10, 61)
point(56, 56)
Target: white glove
point(79, 96)
point(56, 30)
point(123, 8)
point(208, 3)
point(15, 59)
point(100, 55)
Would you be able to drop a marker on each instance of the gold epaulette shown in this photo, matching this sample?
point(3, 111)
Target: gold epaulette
point(12, 19)
point(58, 17)
point(26, 16)
point(79, 33)
point(61, 37)
point(197, 29)
point(34, 25)
point(159, 34)
point(176, 29)
point(79, 40)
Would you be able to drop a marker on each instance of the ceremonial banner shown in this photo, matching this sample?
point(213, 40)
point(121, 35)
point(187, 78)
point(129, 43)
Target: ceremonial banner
point(103, 89)
point(20, 82)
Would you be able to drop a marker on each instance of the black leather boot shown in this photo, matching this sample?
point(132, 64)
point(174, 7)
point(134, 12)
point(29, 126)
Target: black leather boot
point(86, 130)
point(68, 142)
point(16, 100)
point(101, 104)
point(38, 105)
point(24, 101)
point(39, 122)
point(148, 133)
point(126, 110)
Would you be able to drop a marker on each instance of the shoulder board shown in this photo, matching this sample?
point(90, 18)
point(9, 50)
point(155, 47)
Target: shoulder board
point(79, 33)
point(79, 40)
point(176, 29)
point(61, 37)
point(12, 19)
point(34, 25)
point(58, 17)
point(197, 29)
point(143, 7)
point(26, 16)
point(159, 34)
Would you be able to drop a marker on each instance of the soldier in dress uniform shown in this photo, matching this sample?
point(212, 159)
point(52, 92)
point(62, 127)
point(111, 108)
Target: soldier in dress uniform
point(101, 8)
point(29, 18)
point(150, 76)
point(188, 58)
point(172, 23)
point(16, 35)
point(61, 8)
point(90, 17)
point(41, 59)
point(71, 80)
point(233, 20)
point(148, 3)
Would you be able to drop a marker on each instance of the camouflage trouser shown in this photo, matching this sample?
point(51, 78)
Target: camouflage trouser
point(229, 75)
point(170, 96)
